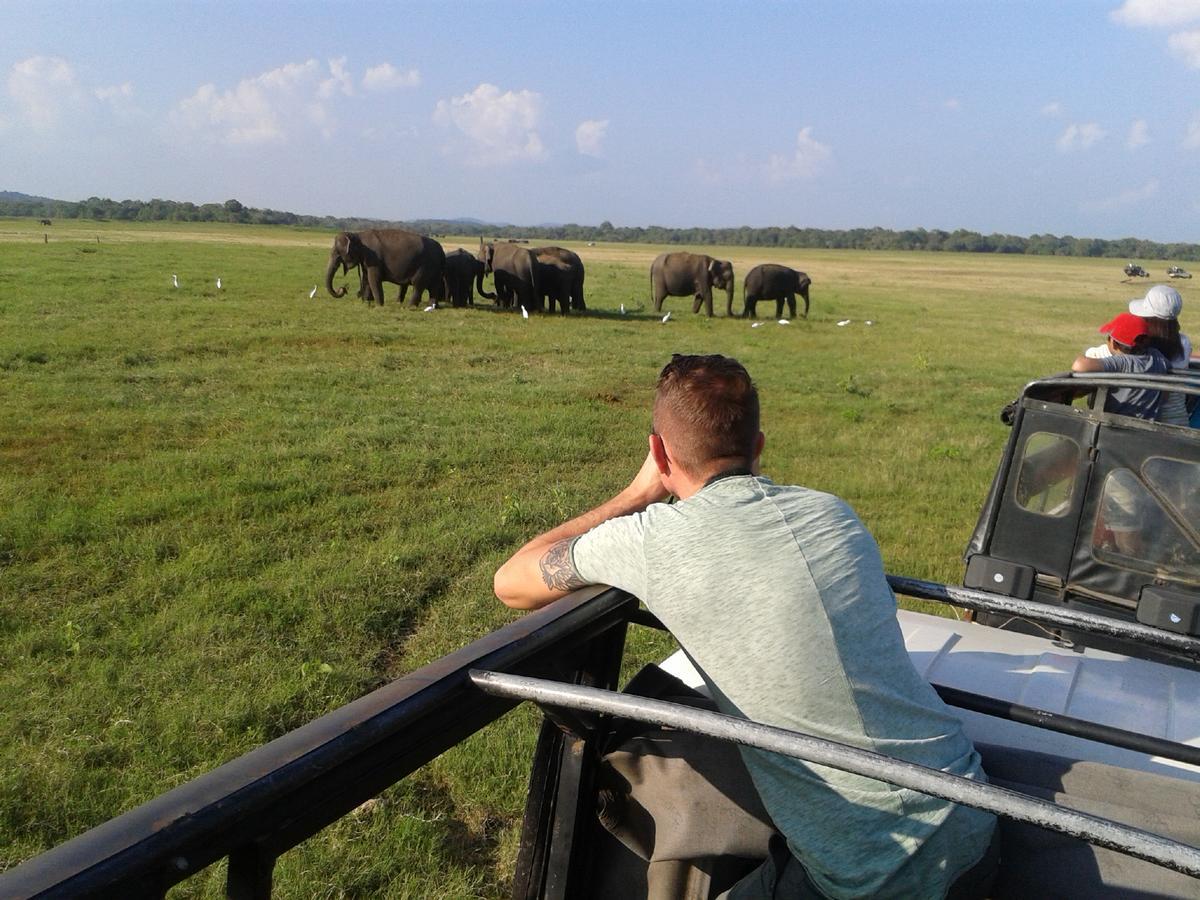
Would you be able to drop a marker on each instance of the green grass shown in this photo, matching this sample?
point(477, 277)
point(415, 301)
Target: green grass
point(223, 514)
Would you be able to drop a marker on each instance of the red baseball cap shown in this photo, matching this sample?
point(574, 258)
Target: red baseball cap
point(1125, 328)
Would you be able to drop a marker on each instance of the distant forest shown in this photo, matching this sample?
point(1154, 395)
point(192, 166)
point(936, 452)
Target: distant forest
point(959, 241)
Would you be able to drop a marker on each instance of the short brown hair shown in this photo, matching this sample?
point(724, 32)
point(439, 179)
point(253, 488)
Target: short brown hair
point(706, 407)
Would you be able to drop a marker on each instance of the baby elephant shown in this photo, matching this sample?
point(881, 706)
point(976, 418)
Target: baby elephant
point(778, 283)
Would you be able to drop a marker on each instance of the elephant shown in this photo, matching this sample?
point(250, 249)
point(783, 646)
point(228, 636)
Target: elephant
point(691, 275)
point(554, 284)
point(778, 283)
point(514, 269)
point(463, 275)
point(505, 292)
point(391, 254)
point(568, 262)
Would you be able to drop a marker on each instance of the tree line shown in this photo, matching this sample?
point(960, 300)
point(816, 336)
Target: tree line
point(933, 239)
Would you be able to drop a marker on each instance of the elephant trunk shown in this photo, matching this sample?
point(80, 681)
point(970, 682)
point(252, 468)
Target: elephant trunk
point(479, 286)
point(803, 291)
point(334, 259)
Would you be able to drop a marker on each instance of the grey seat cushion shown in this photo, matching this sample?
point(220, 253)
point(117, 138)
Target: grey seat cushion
point(1040, 863)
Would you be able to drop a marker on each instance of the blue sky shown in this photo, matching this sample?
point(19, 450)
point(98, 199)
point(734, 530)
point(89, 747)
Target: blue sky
point(1068, 117)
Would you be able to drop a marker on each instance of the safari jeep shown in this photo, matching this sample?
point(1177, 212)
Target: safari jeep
point(1093, 512)
point(1076, 671)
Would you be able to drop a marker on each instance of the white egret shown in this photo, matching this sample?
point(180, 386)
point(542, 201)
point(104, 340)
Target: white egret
point(843, 323)
point(622, 309)
point(313, 292)
point(524, 313)
point(175, 280)
point(756, 324)
point(664, 318)
point(784, 322)
point(218, 282)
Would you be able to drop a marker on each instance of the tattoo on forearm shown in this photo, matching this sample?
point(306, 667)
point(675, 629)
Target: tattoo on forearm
point(558, 571)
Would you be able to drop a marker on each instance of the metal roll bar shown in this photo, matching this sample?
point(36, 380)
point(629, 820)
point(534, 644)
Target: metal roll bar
point(984, 601)
point(1124, 839)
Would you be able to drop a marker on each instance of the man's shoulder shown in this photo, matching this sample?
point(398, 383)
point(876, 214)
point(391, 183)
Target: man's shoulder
point(1151, 362)
point(802, 494)
point(751, 492)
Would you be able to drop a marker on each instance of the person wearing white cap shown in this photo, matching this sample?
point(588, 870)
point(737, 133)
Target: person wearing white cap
point(1160, 308)
point(1129, 352)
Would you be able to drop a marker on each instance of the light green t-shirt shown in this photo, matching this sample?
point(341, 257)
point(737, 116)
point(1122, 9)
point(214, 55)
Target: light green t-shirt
point(778, 594)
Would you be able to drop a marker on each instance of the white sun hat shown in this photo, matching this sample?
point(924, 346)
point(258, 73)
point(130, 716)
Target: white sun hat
point(1161, 302)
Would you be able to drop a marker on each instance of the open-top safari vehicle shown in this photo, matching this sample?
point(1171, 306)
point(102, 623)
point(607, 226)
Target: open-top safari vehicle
point(1133, 270)
point(1078, 679)
point(1178, 272)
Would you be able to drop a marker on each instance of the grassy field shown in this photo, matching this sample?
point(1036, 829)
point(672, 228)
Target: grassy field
point(223, 513)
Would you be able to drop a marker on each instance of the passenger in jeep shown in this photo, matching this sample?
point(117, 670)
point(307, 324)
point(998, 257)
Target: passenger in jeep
point(1131, 353)
point(778, 594)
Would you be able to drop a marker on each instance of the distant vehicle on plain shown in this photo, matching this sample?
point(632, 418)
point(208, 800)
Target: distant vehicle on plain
point(1177, 272)
point(1136, 271)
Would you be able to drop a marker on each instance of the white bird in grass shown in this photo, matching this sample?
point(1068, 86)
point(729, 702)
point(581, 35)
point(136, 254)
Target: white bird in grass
point(869, 322)
point(667, 316)
point(843, 323)
point(622, 309)
point(524, 313)
point(431, 307)
point(756, 324)
point(784, 322)
point(175, 280)
point(313, 292)
point(218, 282)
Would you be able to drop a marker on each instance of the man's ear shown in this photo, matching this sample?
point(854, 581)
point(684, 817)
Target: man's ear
point(659, 451)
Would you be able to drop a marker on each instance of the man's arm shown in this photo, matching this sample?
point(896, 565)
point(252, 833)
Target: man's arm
point(1088, 364)
point(541, 571)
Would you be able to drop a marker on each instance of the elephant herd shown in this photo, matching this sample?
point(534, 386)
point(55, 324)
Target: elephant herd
point(527, 277)
point(537, 278)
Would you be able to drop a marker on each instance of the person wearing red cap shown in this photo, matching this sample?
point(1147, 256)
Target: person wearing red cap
point(1131, 354)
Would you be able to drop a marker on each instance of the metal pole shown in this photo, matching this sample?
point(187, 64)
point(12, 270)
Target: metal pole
point(986, 601)
point(1011, 804)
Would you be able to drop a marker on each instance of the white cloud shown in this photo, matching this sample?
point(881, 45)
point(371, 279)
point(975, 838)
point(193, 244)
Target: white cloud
point(1186, 46)
point(386, 77)
point(339, 80)
point(589, 137)
point(270, 107)
point(1053, 109)
point(1192, 140)
point(45, 90)
point(707, 172)
point(1139, 135)
point(500, 127)
point(1080, 137)
point(118, 98)
point(953, 104)
point(1156, 13)
point(115, 92)
point(809, 158)
point(1128, 197)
